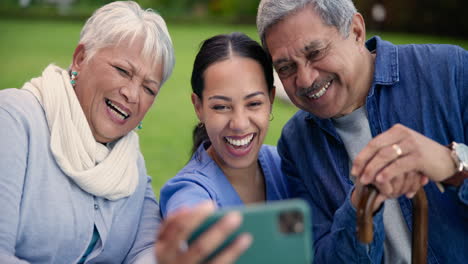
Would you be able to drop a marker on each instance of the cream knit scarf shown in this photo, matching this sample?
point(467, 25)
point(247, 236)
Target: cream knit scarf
point(112, 174)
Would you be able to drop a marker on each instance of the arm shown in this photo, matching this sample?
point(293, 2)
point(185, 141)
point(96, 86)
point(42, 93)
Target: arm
point(142, 249)
point(334, 232)
point(13, 158)
point(182, 192)
point(381, 164)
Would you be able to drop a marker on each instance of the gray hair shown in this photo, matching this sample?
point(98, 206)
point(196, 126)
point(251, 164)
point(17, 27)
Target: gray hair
point(337, 13)
point(126, 20)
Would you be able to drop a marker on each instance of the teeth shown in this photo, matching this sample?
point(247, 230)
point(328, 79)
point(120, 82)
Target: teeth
point(116, 109)
point(240, 142)
point(320, 92)
point(116, 114)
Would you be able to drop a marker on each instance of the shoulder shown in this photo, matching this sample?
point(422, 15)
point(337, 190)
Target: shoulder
point(296, 129)
point(20, 104)
point(196, 173)
point(270, 160)
point(297, 122)
point(270, 153)
point(428, 54)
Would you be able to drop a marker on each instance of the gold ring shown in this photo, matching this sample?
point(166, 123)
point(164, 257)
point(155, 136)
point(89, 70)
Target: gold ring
point(397, 149)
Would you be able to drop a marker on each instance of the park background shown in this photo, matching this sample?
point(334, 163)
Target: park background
point(34, 33)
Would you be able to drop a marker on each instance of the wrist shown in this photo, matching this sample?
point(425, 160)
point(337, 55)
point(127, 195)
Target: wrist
point(459, 154)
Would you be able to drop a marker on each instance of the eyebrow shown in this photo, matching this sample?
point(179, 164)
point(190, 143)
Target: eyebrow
point(145, 80)
point(253, 95)
point(313, 45)
point(225, 98)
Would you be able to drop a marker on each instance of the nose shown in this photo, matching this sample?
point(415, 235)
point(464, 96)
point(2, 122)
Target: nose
point(130, 92)
point(306, 76)
point(240, 121)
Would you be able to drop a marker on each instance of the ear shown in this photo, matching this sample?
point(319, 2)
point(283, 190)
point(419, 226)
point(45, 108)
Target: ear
point(272, 96)
point(358, 29)
point(78, 57)
point(198, 106)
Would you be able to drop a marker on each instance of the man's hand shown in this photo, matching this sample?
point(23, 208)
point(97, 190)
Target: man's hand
point(400, 161)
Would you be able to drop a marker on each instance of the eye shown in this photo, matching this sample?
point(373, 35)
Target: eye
point(313, 55)
point(220, 107)
point(254, 104)
point(286, 70)
point(149, 91)
point(122, 71)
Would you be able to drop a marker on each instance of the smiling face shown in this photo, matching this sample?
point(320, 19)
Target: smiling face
point(115, 88)
point(322, 72)
point(235, 110)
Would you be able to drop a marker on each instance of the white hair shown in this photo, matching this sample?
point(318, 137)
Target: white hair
point(337, 13)
point(126, 20)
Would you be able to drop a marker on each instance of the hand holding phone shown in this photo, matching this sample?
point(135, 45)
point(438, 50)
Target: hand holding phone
point(280, 230)
point(171, 248)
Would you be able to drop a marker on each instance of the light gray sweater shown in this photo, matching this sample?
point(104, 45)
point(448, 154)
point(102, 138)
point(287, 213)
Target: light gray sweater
point(46, 217)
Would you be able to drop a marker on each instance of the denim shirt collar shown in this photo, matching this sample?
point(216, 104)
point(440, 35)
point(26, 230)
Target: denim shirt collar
point(385, 73)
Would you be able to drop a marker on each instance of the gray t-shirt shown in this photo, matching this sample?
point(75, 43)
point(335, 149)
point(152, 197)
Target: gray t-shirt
point(355, 133)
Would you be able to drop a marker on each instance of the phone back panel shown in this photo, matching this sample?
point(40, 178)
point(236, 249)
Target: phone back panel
point(281, 232)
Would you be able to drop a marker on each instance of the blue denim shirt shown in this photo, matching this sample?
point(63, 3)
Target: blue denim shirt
point(424, 87)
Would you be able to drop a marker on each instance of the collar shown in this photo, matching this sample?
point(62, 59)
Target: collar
point(386, 61)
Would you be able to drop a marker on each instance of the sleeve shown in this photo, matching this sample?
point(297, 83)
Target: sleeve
point(13, 159)
point(463, 190)
point(182, 191)
point(334, 238)
point(142, 250)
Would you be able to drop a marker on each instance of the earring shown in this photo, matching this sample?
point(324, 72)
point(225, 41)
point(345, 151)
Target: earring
point(271, 117)
point(73, 78)
point(139, 127)
point(200, 125)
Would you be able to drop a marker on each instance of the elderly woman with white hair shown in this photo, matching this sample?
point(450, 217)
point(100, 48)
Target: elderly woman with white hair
point(73, 183)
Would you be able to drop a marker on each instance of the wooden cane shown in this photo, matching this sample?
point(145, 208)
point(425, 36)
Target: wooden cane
point(365, 230)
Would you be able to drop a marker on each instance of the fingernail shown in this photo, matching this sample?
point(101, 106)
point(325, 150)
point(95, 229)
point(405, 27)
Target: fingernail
point(245, 240)
point(233, 219)
point(380, 178)
point(365, 179)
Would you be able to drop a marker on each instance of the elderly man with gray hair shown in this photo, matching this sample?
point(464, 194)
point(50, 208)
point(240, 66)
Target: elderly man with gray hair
point(371, 113)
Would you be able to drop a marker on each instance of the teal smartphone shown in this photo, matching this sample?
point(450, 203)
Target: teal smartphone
point(280, 230)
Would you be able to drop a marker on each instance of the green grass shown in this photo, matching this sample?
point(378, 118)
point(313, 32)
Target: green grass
point(27, 47)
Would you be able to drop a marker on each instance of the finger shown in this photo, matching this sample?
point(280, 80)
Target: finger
point(166, 247)
point(386, 188)
point(415, 185)
point(398, 167)
point(233, 251)
point(384, 157)
point(398, 184)
point(392, 136)
point(414, 182)
point(168, 227)
point(187, 224)
point(424, 180)
point(378, 201)
point(176, 228)
point(213, 237)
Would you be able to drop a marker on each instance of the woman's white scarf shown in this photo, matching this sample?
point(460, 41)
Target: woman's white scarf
point(112, 174)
